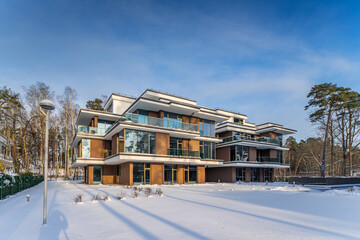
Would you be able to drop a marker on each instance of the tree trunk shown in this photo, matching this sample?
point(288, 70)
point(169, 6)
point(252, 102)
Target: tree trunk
point(325, 139)
point(350, 143)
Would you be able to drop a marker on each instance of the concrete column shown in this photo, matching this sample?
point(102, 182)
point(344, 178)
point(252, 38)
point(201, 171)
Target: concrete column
point(200, 174)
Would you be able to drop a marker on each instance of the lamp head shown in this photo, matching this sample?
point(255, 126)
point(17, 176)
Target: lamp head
point(47, 105)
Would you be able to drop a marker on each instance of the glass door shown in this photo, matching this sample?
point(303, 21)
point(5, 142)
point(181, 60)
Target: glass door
point(97, 174)
point(174, 172)
point(186, 174)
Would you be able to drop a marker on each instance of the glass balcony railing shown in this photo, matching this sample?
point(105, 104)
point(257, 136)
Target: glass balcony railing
point(259, 139)
point(160, 122)
point(182, 152)
point(91, 130)
point(268, 160)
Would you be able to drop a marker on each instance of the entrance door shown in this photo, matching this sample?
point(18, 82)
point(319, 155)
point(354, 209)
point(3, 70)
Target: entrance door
point(186, 174)
point(147, 175)
point(174, 172)
point(97, 174)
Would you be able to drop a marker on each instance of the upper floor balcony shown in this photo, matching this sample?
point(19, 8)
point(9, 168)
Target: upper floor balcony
point(268, 160)
point(92, 130)
point(182, 152)
point(258, 139)
point(160, 122)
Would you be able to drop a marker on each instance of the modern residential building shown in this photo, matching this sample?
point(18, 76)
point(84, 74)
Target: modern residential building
point(160, 138)
point(156, 138)
point(5, 159)
point(250, 152)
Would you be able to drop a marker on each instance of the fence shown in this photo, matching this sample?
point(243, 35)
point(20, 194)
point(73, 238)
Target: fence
point(10, 185)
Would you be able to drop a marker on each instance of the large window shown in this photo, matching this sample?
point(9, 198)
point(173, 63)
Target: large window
point(170, 172)
point(255, 174)
point(139, 141)
point(103, 126)
point(172, 120)
point(86, 148)
point(190, 174)
point(279, 154)
point(141, 173)
point(207, 128)
point(207, 150)
point(279, 138)
point(240, 174)
point(239, 153)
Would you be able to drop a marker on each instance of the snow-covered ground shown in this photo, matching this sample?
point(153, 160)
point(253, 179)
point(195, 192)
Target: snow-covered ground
point(205, 211)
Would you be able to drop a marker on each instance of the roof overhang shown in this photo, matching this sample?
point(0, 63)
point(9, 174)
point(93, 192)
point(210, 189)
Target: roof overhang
point(85, 116)
point(258, 145)
point(276, 129)
point(180, 108)
point(253, 165)
point(134, 157)
point(81, 162)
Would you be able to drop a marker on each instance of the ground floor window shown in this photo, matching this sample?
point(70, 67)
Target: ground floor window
point(97, 174)
point(267, 174)
point(170, 171)
point(255, 174)
point(190, 174)
point(141, 173)
point(240, 174)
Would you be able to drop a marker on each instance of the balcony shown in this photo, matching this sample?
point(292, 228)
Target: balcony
point(91, 130)
point(268, 160)
point(259, 139)
point(160, 122)
point(182, 152)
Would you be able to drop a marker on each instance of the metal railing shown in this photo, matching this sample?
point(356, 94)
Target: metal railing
point(160, 122)
point(11, 185)
point(268, 160)
point(259, 139)
point(182, 152)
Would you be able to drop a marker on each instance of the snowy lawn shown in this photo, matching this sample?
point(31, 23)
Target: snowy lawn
point(205, 211)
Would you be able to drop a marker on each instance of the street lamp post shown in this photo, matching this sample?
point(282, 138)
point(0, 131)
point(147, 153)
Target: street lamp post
point(48, 106)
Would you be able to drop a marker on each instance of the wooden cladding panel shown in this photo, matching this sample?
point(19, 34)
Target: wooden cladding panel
point(90, 174)
point(153, 114)
point(126, 177)
point(96, 148)
point(108, 174)
point(200, 174)
point(180, 174)
point(194, 145)
point(194, 120)
point(96, 120)
point(186, 119)
point(247, 174)
point(162, 143)
point(223, 153)
point(224, 174)
point(273, 153)
point(156, 173)
point(252, 154)
point(115, 144)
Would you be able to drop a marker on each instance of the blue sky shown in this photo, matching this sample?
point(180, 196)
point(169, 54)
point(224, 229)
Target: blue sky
point(258, 58)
